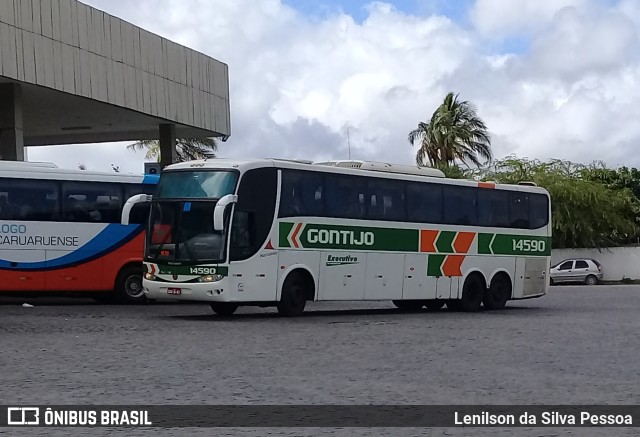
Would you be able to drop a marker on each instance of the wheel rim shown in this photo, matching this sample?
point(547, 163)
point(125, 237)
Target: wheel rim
point(133, 286)
point(591, 280)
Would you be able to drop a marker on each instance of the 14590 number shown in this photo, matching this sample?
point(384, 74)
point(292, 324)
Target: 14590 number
point(529, 245)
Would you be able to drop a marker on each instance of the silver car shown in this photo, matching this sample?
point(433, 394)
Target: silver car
point(585, 270)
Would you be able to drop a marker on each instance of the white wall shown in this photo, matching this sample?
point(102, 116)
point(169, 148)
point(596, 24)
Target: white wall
point(617, 262)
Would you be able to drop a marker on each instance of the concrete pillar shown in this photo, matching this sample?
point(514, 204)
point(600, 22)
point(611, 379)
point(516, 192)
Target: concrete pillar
point(11, 129)
point(168, 154)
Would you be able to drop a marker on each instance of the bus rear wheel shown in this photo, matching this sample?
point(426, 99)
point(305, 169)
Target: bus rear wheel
point(499, 292)
point(409, 305)
point(129, 286)
point(224, 308)
point(294, 296)
point(472, 293)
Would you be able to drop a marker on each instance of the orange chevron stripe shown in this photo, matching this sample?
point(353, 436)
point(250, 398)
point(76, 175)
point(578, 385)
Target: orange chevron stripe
point(294, 237)
point(463, 241)
point(489, 185)
point(428, 241)
point(452, 265)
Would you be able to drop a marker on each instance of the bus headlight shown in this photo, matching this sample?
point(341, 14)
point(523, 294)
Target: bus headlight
point(210, 278)
point(149, 276)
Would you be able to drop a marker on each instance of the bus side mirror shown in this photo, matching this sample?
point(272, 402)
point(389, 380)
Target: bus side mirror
point(126, 210)
point(218, 212)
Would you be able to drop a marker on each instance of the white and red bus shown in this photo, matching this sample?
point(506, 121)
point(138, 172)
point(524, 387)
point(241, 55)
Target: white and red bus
point(60, 231)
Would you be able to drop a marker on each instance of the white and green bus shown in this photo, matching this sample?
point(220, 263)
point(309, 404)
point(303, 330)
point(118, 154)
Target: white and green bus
point(280, 233)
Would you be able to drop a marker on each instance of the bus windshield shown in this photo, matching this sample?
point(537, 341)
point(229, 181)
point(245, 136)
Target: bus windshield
point(183, 231)
point(200, 184)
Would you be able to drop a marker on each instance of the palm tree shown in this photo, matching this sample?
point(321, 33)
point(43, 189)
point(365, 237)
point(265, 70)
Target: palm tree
point(454, 132)
point(187, 149)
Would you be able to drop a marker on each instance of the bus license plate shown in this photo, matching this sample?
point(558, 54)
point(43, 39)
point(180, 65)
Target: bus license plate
point(174, 290)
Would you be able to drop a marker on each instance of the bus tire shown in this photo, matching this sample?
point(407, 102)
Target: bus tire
point(224, 308)
point(434, 304)
point(472, 293)
point(409, 305)
point(499, 292)
point(294, 296)
point(129, 286)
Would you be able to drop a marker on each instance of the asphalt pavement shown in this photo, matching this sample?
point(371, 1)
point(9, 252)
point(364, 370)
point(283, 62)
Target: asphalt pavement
point(577, 345)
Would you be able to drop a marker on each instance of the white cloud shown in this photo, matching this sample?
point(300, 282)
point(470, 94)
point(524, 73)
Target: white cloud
point(500, 18)
point(298, 84)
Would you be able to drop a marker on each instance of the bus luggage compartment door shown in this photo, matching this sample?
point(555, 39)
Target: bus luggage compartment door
point(15, 279)
point(384, 276)
point(342, 275)
point(417, 285)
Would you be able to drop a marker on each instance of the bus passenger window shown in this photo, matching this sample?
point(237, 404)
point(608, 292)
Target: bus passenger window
point(460, 205)
point(519, 210)
point(8, 211)
point(424, 202)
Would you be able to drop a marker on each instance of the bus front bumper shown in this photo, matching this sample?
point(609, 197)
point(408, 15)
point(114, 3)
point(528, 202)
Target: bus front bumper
point(189, 291)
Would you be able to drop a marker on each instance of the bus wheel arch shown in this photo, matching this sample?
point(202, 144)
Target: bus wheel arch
point(499, 292)
point(128, 286)
point(297, 288)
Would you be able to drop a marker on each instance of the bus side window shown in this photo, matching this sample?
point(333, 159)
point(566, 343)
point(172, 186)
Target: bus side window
point(290, 194)
point(460, 205)
point(519, 210)
point(424, 202)
point(538, 211)
point(301, 194)
point(493, 208)
point(91, 202)
point(345, 196)
point(29, 200)
point(386, 200)
point(253, 214)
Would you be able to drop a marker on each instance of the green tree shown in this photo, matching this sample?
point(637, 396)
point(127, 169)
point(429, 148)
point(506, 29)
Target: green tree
point(586, 213)
point(455, 132)
point(187, 149)
point(622, 177)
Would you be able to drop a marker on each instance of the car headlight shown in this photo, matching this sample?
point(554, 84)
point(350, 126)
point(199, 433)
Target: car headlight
point(149, 276)
point(210, 278)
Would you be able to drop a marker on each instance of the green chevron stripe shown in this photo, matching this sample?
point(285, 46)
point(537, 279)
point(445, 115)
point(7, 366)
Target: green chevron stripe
point(434, 265)
point(444, 243)
point(285, 230)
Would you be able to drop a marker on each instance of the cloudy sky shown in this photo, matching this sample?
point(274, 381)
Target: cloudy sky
point(551, 78)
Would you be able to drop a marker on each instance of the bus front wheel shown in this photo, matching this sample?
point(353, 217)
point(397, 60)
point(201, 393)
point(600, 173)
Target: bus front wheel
point(129, 286)
point(224, 308)
point(294, 296)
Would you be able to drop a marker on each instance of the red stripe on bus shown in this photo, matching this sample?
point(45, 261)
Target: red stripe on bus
point(463, 241)
point(428, 240)
point(452, 265)
point(294, 237)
